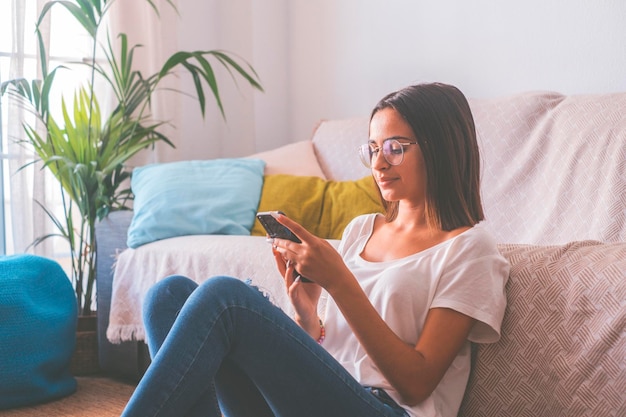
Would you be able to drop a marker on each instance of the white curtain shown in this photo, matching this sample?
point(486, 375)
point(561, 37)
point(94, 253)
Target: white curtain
point(243, 27)
point(25, 220)
point(157, 37)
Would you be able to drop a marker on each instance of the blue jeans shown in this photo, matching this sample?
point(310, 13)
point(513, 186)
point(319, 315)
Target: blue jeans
point(222, 347)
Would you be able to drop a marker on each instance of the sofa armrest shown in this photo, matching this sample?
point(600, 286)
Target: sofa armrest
point(128, 359)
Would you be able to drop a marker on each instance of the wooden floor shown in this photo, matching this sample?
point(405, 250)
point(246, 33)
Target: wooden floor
point(96, 396)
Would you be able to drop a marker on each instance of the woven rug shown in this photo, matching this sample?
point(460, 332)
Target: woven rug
point(95, 397)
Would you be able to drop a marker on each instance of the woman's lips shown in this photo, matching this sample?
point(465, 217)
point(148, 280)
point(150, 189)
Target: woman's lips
point(383, 181)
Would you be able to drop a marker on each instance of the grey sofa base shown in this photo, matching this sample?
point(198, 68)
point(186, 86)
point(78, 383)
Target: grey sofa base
point(127, 360)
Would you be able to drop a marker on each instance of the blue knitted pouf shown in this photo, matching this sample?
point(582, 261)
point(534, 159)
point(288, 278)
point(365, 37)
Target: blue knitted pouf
point(37, 331)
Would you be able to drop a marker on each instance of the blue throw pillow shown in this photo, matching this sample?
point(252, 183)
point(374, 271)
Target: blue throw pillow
point(218, 196)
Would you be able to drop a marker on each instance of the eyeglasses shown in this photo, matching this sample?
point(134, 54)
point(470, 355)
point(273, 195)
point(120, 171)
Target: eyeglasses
point(393, 151)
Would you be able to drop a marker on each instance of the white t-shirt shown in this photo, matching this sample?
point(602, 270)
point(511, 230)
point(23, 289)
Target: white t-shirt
point(465, 273)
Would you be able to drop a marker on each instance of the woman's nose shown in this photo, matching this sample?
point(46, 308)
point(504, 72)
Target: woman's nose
point(378, 160)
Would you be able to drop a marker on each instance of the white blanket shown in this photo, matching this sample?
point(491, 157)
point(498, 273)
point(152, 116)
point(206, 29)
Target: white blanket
point(197, 257)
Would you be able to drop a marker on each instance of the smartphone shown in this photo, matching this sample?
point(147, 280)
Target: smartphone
point(275, 229)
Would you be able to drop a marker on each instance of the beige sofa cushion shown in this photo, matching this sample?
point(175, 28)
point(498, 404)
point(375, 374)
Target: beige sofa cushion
point(554, 167)
point(336, 145)
point(295, 159)
point(563, 337)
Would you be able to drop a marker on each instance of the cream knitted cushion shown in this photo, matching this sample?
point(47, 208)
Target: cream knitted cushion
point(563, 337)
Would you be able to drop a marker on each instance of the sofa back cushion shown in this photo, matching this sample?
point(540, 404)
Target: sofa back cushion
point(563, 338)
point(294, 159)
point(554, 166)
point(336, 145)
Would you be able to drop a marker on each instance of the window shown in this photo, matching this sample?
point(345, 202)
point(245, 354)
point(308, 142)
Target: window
point(18, 58)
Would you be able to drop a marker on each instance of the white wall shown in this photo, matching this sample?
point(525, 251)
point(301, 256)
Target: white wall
point(327, 59)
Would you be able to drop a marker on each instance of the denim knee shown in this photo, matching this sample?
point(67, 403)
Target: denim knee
point(161, 306)
point(222, 284)
point(174, 286)
point(221, 293)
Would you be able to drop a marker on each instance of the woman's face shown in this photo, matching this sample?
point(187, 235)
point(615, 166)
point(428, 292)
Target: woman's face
point(406, 181)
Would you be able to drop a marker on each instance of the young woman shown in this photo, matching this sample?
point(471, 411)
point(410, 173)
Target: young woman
point(408, 291)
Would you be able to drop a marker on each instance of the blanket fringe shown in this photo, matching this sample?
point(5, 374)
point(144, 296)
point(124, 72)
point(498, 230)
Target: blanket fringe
point(125, 333)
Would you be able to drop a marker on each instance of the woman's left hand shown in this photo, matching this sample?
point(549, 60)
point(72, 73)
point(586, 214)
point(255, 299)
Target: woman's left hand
point(304, 296)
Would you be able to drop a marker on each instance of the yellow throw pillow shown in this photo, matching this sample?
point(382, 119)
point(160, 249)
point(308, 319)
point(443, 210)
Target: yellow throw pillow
point(299, 197)
point(343, 201)
point(323, 207)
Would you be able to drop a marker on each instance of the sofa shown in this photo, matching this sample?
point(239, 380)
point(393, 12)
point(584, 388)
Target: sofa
point(554, 194)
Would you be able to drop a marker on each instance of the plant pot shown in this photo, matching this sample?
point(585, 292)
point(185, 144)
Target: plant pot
point(85, 357)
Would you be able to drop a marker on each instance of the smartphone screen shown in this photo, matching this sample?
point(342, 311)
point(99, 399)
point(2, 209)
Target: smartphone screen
point(275, 229)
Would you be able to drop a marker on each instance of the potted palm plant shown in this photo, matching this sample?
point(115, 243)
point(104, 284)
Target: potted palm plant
point(86, 148)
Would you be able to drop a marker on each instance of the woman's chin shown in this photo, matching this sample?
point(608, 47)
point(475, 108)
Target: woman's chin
point(388, 195)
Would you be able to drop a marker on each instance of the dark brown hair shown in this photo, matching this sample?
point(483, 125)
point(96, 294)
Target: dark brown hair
point(442, 122)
